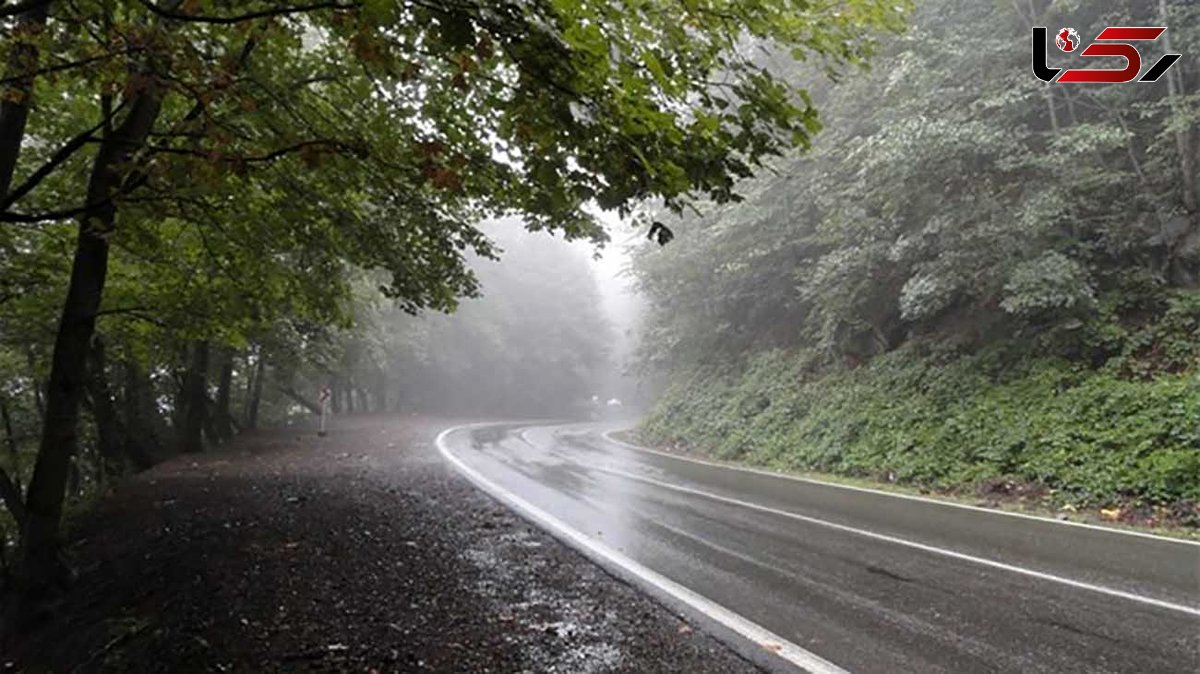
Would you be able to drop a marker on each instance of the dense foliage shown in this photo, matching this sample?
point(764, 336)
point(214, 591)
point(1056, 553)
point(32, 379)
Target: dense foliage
point(972, 275)
point(191, 190)
point(1094, 438)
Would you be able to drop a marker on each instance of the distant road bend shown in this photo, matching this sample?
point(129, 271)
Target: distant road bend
point(822, 578)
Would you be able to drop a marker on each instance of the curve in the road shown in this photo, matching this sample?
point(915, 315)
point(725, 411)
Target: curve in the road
point(768, 640)
point(873, 581)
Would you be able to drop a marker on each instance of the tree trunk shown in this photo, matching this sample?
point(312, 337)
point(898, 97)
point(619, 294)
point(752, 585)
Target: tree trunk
point(39, 567)
point(381, 393)
point(10, 494)
point(335, 397)
point(260, 372)
point(11, 442)
point(1183, 136)
point(195, 399)
point(222, 419)
point(39, 400)
point(1048, 94)
point(10, 486)
point(1177, 268)
point(18, 94)
point(108, 431)
point(142, 440)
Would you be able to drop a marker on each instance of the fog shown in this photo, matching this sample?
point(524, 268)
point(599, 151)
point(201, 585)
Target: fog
point(623, 309)
point(553, 333)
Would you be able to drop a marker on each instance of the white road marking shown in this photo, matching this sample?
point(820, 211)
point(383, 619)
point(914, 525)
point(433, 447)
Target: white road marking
point(770, 641)
point(607, 435)
point(910, 544)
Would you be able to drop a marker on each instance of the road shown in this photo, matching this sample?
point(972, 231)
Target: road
point(832, 578)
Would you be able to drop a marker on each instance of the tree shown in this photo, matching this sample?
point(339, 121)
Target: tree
point(972, 278)
point(966, 209)
point(376, 134)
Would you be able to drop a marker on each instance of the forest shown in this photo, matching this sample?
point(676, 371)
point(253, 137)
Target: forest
point(973, 282)
point(212, 210)
point(897, 255)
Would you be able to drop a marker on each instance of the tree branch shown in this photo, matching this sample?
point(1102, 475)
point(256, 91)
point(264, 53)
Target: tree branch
point(11, 496)
point(64, 153)
point(268, 157)
point(59, 67)
point(65, 214)
point(249, 16)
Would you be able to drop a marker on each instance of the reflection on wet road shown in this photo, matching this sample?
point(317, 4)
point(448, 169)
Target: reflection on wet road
point(870, 582)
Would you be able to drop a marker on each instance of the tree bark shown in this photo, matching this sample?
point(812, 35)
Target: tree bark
point(222, 419)
point(11, 442)
point(10, 494)
point(18, 94)
point(39, 567)
point(108, 430)
point(39, 400)
point(10, 486)
point(256, 393)
point(335, 397)
point(195, 397)
point(142, 440)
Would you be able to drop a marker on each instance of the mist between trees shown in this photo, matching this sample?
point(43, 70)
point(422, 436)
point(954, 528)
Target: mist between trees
point(537, 344)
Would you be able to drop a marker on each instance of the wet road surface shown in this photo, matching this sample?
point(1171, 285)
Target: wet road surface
point(870, 582)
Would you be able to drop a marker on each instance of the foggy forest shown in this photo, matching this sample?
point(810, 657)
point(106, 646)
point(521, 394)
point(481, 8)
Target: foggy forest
point(854, 240)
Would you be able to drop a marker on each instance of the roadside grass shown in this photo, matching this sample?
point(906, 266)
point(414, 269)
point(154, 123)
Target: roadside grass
point(1024, 506)
point(1037, 435)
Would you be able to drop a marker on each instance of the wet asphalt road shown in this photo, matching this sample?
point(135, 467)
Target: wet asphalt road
point(869, 582)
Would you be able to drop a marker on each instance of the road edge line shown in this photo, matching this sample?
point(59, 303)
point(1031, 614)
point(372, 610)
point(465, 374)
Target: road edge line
point(896, 540)
point(607, 435)
point(770, 642)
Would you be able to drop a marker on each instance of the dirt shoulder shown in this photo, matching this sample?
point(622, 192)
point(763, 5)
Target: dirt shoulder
point(362, 551)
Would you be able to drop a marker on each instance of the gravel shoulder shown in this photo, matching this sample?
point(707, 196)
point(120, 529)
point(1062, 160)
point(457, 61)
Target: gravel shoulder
point(361, 551)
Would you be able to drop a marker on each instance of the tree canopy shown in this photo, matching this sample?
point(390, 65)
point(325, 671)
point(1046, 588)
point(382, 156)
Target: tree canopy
point(203, 181)
point(942, 202)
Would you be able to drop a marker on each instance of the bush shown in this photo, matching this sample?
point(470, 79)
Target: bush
point(1093, 435)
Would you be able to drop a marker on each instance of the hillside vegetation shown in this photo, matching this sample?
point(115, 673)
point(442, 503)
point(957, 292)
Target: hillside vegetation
point(973, 281)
